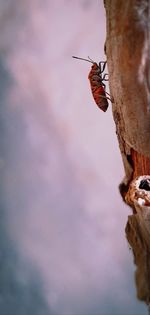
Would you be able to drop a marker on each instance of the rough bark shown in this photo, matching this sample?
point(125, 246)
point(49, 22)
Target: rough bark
point(128, 59)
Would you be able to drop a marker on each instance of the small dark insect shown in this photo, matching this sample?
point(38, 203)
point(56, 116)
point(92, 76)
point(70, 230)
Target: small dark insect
point(98, 87)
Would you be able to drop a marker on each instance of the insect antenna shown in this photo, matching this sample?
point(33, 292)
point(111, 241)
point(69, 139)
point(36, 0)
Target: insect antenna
point(89, 59)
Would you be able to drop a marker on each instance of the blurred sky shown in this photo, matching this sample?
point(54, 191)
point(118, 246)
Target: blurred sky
point(60, 167)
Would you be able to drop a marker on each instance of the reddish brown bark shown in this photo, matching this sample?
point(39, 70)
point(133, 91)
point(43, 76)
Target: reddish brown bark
point(141, 164)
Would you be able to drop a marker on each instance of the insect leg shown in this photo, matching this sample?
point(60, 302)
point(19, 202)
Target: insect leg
point(107, 97)
point(104, 85)
point(104, 77)
point(102, 65)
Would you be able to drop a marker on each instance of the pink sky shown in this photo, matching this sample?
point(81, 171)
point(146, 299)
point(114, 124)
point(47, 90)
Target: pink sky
point(62, 164)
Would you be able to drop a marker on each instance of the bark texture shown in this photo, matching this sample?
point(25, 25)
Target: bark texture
point(128, 59)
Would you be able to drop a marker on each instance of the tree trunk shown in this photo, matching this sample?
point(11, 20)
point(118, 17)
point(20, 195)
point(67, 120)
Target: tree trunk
point(128, 57)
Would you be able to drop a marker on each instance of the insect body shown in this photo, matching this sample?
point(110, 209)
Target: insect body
point(98, 87)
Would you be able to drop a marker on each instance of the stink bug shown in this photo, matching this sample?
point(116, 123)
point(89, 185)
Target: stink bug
point(98, 87)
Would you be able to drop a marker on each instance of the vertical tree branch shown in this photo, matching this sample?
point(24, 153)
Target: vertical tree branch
point(128, 57)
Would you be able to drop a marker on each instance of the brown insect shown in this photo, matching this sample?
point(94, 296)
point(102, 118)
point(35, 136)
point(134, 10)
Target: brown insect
point(98, 87)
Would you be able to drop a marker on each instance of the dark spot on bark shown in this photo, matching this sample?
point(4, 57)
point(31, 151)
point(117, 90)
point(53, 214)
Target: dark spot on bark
point(145, 184)
point(123, 190)
point(129, 159)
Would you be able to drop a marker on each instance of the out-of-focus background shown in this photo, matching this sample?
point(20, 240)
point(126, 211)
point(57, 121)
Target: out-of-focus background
point(62, 242)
